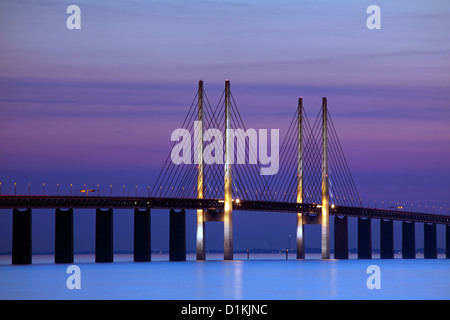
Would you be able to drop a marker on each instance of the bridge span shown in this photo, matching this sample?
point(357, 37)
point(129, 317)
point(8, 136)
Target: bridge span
point(211, 205)
point(212, 211)
point(313, 182)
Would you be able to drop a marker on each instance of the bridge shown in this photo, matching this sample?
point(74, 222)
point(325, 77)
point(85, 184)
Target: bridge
point(312, 180)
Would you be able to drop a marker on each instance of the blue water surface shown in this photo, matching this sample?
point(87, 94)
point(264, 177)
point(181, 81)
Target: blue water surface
point(262, 277)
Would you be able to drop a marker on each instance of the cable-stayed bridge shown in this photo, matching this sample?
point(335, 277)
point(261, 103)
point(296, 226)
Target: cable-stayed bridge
point(217, 166)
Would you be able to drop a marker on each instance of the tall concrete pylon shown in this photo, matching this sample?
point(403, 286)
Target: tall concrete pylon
point(300, 226)
point(228, 201)
point(325, 218)
point(200, 175)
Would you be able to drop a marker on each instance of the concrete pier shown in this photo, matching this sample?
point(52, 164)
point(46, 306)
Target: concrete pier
point(200, 236)
point(447, 241)
point(364, 238)
point(142, 235)
point(341, 237)
point(386, 239)
point(408, 240)
point(104, 251)
point(300, 235)
point(177, 236)
point(430, 241)
point(63, 236)
point(21, 237)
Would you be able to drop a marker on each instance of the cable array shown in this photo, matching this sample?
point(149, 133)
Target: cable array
point(181, 180)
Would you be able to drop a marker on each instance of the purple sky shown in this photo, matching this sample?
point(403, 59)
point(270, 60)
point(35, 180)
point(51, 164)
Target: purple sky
point(97, 105)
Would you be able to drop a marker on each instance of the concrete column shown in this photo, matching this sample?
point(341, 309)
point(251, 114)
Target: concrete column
point(430, 241)
point(325, 190)
point(142, 235)
point(64, 236)
point(364, 238)
point(104, 251)
point(447, 241)
point(386, 239)
point(177, 236)
point(300, 236)
point(201, 253)
point(21, 237)
point(228, 200)
point(300, 227)
point(408, 240)
point(200, 237)
point(341, 237)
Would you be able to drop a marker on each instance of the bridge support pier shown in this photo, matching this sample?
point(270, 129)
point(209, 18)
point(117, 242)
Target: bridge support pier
point(447, 241)
point(201, 255)
point(300, 236)
point(177, 236)
point(341, 237)
point(386, 239)
point(364, 238)
point(21, 237)
point(408, 240)
point(63, 236)
point(142, 235)
point(430, 241)
point(104, 235)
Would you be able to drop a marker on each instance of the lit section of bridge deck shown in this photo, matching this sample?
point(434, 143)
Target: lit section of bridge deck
point(77, 202)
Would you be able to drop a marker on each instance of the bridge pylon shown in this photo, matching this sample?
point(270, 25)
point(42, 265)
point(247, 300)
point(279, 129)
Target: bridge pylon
point(300, 227)
point(228, 201)
point(325, 220)
point(200, 176)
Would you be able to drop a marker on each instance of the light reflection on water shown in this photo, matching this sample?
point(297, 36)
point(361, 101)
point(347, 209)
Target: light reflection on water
point(264, 276)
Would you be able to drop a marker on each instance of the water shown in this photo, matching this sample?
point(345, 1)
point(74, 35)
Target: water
point(264, 276)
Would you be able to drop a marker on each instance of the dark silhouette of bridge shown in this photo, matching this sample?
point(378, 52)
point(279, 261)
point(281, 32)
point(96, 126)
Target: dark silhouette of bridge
point(313, 181)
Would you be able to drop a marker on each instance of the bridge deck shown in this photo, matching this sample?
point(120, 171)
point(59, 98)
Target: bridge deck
point(41, 202)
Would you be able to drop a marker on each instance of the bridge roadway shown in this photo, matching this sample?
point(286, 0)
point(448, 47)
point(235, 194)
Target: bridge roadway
point(95, 202)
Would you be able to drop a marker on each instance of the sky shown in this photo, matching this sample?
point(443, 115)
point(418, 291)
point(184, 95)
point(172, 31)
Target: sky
point(98, 105)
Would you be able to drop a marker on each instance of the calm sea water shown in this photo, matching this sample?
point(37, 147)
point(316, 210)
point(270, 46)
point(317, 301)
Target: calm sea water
point(264, 276)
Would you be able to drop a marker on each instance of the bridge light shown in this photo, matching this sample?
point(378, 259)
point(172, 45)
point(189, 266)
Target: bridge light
point(333, 206)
